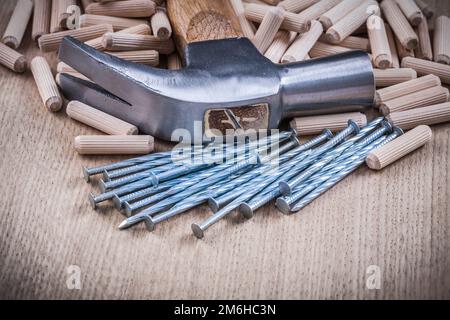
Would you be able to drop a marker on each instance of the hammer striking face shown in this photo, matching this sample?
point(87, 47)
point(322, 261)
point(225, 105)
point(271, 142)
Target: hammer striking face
point(226, 84)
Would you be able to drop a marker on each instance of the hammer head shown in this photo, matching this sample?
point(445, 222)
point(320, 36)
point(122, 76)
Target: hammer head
point(227, 86)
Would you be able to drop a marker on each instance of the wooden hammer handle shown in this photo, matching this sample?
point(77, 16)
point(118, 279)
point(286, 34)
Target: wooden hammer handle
point(200, 20)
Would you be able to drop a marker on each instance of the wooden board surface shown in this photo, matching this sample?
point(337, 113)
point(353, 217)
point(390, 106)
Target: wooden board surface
point(397, 220)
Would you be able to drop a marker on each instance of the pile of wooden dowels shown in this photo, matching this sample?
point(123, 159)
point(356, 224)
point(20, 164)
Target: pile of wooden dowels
point(134, 30)
point(409, 46)
point(410, 51)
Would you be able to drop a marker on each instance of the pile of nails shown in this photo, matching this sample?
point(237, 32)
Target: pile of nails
point(159, 186)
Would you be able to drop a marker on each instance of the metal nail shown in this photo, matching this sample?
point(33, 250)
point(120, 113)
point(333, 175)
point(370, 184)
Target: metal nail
point(333, 168)
point(205, 179)
point(109, 175)
point(247, 209)
point(88, 172)
point(178, 188)
point(131, 190)
point(216, 176)
point(241, 184)
point(344, 170)
point(181, 207)
point(298, 165)
point(197, 199)
point(171, 167)
point(258, 184)
point(287, 185)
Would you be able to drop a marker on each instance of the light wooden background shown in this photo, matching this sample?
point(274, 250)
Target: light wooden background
point(398, 219)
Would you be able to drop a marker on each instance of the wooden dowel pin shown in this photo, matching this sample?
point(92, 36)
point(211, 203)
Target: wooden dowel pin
point(390, 77)
point(303, 44)
point(12, 59)
point(381, 52)
point(62, 67)
point(352, 42)
point(174, 61)
point(41, 18)
point(99, 120)
point(18, 23)
point(296, 6)
point(405, 88)
point(75, 74)
point(105, 145)
point(292, 22)
point(124, 9)
point(321, 49)
point(411, 11)
point(54, 17)
point(442, 40)
point(130, 42)
point(339, 11)
point(424, 49)
point(147, 57)
point(435, 114)
point(304, 126)
point(392, 46)
point(268, 28)
point(51, 42)
point(139, 29)
point(352, 21)
point(248, 29)
point(46, 84)
point(423, 98)
point(317, 9)
point(88, 20)
point(161, 25)
point(398, 148)
point(59, 14)
point(399, 24)
point(402, 51)
point(424, 67)
point(280, 44)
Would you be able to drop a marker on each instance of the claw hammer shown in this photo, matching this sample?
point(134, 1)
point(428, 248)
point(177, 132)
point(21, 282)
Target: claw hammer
point(226, 84)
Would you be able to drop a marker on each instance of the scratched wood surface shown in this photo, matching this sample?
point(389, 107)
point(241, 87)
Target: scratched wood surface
point(397, 219)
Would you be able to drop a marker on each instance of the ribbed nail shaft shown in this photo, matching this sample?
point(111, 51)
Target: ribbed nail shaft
point(109, 175)
point(214, 190)
point(241, 184)
point(260, 183)
point(145, 187)
point(122, 164)
point(176, 189)
point(162, 205)
point(178, 196)
point(346, 170)
point(287, 186)
point(273, 191)
point(203, 180)
point(345, 160)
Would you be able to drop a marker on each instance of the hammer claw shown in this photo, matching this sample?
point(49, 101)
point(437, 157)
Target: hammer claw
point(92, 94)
point(124, 79)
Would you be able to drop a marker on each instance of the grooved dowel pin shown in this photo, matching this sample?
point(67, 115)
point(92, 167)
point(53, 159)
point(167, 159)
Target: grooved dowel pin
point(391, 152)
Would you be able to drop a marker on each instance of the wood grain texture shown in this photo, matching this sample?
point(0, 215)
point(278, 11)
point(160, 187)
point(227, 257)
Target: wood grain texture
point(397, 219)
point(200, 20)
